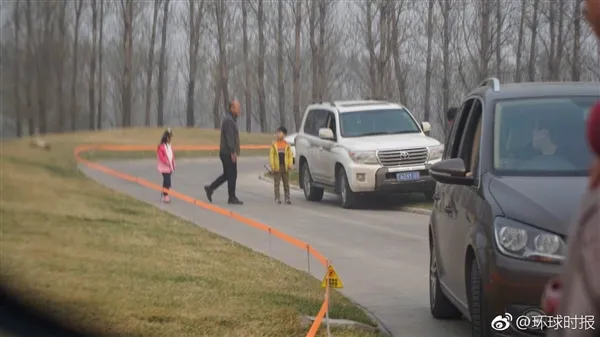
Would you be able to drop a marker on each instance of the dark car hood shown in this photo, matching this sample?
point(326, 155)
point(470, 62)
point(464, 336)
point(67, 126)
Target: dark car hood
point(544, 202)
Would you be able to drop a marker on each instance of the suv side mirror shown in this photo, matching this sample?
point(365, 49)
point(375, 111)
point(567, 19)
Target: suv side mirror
point(326, 133)
point(426, 127)
point(451, 171)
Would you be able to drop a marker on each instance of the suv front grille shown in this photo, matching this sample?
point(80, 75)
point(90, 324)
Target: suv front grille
point(403, 157)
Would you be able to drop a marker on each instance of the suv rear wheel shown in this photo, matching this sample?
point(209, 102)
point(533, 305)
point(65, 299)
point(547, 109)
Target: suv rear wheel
point(311, 193)
point(439, 305)
point(347, 197)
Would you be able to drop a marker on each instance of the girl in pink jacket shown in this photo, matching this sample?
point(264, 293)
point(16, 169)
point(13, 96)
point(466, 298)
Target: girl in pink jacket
point(166, 162)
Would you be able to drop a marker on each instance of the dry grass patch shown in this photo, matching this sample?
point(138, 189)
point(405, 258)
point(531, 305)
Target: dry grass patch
point(110, 263)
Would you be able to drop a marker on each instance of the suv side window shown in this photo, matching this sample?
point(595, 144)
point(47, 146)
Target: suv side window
point(469, 146)
point(320, 121)
point(310, 122)
point(458, 130)
point(332, 124)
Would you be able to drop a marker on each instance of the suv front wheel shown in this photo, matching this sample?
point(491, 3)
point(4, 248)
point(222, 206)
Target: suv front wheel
point(311, 193)
point(347, 197)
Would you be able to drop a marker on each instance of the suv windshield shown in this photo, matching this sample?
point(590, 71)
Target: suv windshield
point(543, 136)
point(377, 122)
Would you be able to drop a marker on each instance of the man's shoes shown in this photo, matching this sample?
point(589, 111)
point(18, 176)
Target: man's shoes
point(288, 202)
point(235, 201)
point(277, 200)
point(166, 199)
point(209, 192)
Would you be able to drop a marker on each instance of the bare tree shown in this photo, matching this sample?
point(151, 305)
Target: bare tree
point(73, 105)
point(92, 83)
point(60, 65)
point(428, 66)
point(262, 113)
point(498, 39)
point(485, 41)
point(162, 65)
point(280, 70)
point(314, 49)
point(43, 48)
point(247, 97)
point(296, 68)
point(519, 54)
point(575, 64)
point(532, 48)
point(196, 9)
point(127, 77)
point(100, 77)
point(221, 11)
point(150, 65)
point(30, 61)
point(446, 37)
point(17, 68)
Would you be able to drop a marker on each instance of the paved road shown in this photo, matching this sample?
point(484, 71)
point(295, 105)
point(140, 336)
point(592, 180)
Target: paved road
point(381, 255)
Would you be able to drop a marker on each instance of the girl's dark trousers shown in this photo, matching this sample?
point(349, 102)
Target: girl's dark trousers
point(166, 182)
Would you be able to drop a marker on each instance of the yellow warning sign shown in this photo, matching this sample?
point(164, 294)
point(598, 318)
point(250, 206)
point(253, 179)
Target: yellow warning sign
point(334, 280)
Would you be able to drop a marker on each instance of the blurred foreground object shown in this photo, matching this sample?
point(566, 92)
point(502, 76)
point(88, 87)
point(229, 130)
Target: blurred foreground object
point(40, 144)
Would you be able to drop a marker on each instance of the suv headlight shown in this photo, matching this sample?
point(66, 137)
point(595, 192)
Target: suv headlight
point(435, 152)
point(521, 241)
point(363, 157)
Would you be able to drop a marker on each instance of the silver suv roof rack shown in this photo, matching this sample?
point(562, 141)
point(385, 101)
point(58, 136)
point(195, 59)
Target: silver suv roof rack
point(491, 82)
point(332, 103)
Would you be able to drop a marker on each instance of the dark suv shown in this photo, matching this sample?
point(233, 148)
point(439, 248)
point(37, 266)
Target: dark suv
point(513, 171)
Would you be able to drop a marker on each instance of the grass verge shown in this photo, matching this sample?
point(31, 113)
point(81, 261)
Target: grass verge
point(104, 261)
point(416, 200)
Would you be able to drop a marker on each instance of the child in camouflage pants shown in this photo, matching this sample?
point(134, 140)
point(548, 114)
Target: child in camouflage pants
point(281, 160)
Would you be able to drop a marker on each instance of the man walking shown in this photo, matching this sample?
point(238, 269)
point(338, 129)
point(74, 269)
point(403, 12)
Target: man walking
point(228, 152)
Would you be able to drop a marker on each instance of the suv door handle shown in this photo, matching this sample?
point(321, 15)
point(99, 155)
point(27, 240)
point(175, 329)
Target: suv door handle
point(436, 196)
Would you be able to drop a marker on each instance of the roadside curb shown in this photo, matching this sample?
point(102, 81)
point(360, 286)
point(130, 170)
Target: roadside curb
point(414, 210)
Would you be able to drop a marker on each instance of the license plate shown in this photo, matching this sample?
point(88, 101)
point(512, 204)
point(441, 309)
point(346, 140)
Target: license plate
point(408, 176)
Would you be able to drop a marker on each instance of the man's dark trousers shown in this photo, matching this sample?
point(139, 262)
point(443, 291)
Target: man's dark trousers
point(229, 175)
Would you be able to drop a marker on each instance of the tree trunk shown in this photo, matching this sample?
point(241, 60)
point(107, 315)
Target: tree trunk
point(559, 40)
point(17, 68)
point(576, 64)
point(42, 78)
point(498, 41)
point(247, 97)
point(217, 79)
point(552, 52)
point(280, 70)
point(371, 49)
point(262, 113)
point(314, 51)
point(532, 48)
point(73, 105)
point(297, 64)
point(428, 62)
point(92, 83)
point(194, 22)
point(484, 40)
point(127, 8)
point(162, 65)
point(60, 67)
point(519, 56)
point(321, 52)
point(222, 44)
point(446, 37)
point(150, 65)
point(29, 58)
point(100, 78)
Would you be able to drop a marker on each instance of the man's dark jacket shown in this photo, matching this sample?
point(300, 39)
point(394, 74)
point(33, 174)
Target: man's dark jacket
point(230, 135)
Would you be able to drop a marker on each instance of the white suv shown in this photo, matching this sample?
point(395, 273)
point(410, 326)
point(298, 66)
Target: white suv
point(362, 147)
